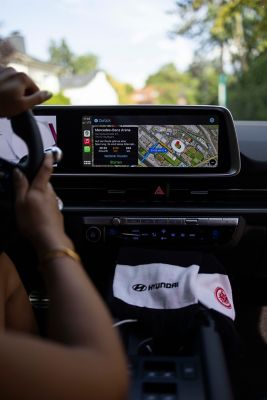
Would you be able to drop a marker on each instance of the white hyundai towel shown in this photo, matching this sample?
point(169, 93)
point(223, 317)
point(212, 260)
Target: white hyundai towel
point(166, 286)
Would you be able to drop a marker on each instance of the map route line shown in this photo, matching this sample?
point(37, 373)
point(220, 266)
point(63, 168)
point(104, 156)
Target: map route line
point(149, 151)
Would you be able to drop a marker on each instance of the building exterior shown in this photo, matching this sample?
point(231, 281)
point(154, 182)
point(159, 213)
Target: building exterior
point(44, 74)
point(89, 89)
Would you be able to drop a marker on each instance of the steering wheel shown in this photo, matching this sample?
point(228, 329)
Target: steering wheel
point(25, 126)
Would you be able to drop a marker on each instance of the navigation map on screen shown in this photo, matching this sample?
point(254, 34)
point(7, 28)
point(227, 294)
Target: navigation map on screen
point(177, 145)
point(149, 145)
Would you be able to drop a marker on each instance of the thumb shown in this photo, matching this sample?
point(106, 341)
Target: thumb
point(36, 98)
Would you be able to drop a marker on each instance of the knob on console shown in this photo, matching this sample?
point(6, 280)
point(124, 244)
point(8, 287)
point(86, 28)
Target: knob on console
point(93, 234)
point(116, 221)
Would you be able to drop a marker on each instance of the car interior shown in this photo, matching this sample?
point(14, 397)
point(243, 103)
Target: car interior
point(158, 179)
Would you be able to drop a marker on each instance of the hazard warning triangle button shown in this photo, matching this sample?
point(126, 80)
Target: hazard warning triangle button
point(160, 191)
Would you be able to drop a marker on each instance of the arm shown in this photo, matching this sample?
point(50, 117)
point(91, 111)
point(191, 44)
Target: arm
point(15, 309)
point(89, 361)
point(17, 93)
point(34, 369)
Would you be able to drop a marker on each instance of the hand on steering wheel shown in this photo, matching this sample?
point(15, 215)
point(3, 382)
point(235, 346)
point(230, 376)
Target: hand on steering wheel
point(18, 93)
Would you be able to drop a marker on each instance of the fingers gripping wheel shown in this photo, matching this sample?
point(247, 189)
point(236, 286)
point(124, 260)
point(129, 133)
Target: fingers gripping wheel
point(25, 126)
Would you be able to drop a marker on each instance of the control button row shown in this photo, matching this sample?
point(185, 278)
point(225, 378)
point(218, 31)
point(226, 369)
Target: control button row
point(192, 221)
point(212, 221)
point(166, 235)
point(160, 374)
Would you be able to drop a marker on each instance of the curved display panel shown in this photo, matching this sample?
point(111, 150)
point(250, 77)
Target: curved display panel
point(136, 140)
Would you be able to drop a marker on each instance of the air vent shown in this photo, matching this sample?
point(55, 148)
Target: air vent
point(103, 195)
point(240, 196)
point(144, 195)
point(220, 197)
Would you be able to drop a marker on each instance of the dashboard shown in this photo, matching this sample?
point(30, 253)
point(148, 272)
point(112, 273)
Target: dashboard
point(134, 141)
point(153, 174)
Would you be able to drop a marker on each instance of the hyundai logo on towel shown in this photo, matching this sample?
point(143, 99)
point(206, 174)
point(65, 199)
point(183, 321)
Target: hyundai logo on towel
point(139, 287)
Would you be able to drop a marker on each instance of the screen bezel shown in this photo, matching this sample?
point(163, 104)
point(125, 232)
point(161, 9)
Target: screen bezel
point(69, 118)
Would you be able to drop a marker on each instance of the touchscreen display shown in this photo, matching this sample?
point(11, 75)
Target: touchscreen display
point(13, 148)
point(137, 141)
point(127, 141)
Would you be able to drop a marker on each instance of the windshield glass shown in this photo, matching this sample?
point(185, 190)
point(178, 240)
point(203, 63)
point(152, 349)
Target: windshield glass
point(151, 52)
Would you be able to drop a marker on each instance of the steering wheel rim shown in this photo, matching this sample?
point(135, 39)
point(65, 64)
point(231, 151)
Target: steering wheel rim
point(25, 126)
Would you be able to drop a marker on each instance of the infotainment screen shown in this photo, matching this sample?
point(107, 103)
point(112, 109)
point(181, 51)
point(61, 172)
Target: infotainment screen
point(133, 140)
point(125, 141)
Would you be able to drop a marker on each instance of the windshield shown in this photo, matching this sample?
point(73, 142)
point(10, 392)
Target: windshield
point(151, 52)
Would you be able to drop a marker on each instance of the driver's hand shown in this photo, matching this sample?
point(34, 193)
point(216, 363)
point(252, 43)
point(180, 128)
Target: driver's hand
point(18, 92)
point(38, 215)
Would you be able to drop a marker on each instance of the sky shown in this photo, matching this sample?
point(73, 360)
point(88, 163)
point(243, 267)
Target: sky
point(130, 37)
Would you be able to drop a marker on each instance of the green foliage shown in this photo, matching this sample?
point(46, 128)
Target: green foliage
point(124, 90)
point(247, 95)
point(237, 25)
point(61, 54)
point(58, 99)
point(84, 64)
point(205, 73)
point(174, 87)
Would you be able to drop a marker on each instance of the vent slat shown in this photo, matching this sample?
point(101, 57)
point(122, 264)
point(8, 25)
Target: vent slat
point(175, 197)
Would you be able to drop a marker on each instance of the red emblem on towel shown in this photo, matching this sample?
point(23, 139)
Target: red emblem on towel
point(221, 296)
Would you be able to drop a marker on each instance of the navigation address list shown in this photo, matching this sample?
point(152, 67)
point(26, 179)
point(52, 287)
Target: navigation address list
point(115, 146)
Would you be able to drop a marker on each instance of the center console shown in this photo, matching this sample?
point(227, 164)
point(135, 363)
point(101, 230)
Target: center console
point(183, 372)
